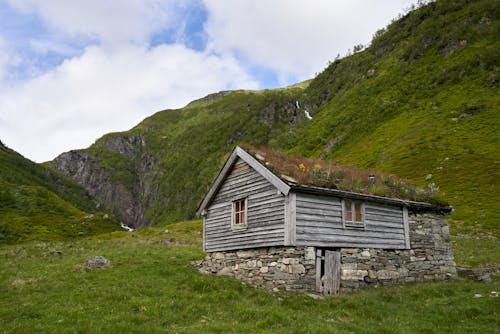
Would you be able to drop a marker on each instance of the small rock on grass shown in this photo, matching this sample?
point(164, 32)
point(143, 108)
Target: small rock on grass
point(315, 296)
point(96, 262)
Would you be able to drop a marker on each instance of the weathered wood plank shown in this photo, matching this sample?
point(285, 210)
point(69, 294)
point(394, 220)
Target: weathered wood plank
point(319, 287)
point(290, 219)
point(248, 188)
point(310, 219)
point(339, 232)
point(321, 206)
point(383, 210)
point(237, 235)
point(251, 244)
point(379, 218)
point(348, 242)
point(329, 244)
point(331, 278)
point(226, 225)
point(317, 199)
point(406, 228)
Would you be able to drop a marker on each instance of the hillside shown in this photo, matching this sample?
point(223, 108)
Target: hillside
point(421, 102)
point(37, 203)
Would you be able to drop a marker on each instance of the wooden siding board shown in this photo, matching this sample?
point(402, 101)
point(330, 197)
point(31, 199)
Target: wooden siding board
point(312, 239)
point(237, 235)
point(406, 228)
point(319, 223)
point(322, 218)
point(340, 233)
point(290, 219)
point(347, 244)
point(265, 212)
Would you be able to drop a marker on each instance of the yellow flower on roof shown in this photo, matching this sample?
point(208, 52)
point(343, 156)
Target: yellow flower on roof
point(302, 167)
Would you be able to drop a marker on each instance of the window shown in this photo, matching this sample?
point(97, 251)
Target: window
point(239, 218)
point(353, 214)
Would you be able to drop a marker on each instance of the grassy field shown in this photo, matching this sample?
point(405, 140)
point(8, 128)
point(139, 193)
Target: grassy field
point(151, 287)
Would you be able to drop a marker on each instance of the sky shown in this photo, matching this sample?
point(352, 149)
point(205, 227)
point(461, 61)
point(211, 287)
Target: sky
point(74, 70)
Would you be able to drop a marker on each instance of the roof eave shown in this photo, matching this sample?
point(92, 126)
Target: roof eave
point(414, 205)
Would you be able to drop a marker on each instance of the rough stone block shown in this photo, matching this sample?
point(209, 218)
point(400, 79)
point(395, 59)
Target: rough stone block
point(310, 254)
point(251, 264)
point(245, 253)
point(226, 272)
point(353, 275)
point(365, 253)
point(297, 269)
point(387, 274)
point(364, 266)
point(219, 256)
point(349, 266)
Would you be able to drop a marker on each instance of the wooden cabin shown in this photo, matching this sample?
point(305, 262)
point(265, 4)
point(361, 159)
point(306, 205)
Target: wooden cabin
point(270, 231)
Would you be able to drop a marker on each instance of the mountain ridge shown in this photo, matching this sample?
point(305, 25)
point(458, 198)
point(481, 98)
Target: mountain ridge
point(419, 102)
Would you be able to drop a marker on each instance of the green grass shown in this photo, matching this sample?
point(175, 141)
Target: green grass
point(477, 251)
point(151, 287)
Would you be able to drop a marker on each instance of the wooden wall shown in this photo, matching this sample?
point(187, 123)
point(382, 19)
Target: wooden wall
point(265, 213)
point(318, 222)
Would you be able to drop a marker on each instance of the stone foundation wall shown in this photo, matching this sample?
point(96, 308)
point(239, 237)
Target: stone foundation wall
point(271, 268)
point(294, 268)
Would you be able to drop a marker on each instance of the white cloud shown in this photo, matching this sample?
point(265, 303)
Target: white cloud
point(108, 21)
point(118, 81)
point(295, 38)
point(8, 58)
point(103, 91)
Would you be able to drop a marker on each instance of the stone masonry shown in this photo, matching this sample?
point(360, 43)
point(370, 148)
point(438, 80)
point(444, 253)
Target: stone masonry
point(294, 268)
point(271, 268)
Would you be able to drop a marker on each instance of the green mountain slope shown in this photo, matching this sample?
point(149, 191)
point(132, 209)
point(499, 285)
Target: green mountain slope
point(37, 203)
point(421, 100)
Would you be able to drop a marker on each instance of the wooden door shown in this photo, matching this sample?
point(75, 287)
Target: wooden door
point(329, 283)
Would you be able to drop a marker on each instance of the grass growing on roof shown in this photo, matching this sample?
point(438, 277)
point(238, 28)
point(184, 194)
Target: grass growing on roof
point(328, 174)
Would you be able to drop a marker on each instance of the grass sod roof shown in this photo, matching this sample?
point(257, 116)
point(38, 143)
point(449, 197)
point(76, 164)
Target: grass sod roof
point(316, 174)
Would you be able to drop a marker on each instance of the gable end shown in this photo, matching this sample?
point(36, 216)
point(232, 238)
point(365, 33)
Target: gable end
point(238, 152)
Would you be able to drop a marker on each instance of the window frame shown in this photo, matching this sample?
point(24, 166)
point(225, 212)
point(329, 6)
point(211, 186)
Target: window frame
point(353, 223)
point(240, 226)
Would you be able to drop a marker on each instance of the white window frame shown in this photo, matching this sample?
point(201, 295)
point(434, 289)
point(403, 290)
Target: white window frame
point(240, 226)
point(353, 223)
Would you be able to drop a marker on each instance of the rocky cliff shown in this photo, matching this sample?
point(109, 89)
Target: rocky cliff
point(142, 175)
